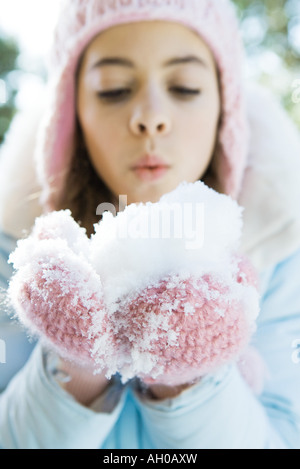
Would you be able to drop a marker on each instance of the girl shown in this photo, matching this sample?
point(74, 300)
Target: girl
point(142, 96)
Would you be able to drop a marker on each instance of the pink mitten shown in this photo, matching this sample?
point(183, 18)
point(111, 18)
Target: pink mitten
point(57, 294)
point(182, 300)
point(183, 327)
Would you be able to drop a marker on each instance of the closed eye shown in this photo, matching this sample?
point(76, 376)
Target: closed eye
point(120, 94)
point(184, 91)
point(115, 94)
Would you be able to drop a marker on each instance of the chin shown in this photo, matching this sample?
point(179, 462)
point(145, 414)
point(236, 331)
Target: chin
point(154, 193)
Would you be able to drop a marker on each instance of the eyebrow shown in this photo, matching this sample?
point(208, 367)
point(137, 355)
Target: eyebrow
point(119, 61)
point(107, 61)
point(186, 60)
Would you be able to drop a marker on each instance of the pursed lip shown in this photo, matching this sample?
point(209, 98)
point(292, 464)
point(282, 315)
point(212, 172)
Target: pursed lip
point(150, 168)
point(150, 162)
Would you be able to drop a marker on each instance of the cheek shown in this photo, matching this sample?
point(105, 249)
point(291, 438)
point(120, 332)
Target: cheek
point(198, 133)
point(100, 135)
point(97, 125)
point(197, 136)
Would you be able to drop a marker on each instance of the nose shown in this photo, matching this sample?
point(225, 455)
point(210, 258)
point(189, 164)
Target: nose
point(140, 127)
point(150, 122)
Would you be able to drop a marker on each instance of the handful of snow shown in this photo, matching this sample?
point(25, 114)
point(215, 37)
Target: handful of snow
point(159, 291)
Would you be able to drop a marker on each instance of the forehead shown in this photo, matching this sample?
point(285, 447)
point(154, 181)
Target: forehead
point(154, 42)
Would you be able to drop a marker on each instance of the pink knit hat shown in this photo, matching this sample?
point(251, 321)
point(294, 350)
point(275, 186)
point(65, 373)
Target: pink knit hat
point(81, 20)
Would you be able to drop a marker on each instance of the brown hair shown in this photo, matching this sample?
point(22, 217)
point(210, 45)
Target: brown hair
point(84, 190)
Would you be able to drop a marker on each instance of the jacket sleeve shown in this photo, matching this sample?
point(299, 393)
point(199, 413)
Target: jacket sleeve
point(278, 340)
point(221, 411)
point(36, 413)
point(15, 345)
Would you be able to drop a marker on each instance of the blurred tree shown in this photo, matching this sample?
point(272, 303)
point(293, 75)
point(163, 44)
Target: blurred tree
point(272, 24)
point(271, 32)
point(9, 52)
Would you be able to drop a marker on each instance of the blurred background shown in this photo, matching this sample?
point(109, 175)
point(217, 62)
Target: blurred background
point(270, 28)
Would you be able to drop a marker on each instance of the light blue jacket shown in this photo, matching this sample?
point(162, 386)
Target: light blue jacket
point(219, 412)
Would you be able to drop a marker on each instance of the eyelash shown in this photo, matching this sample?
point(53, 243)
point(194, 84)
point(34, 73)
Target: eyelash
point(112, 95)
point(186, 91)
point(120, 94)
